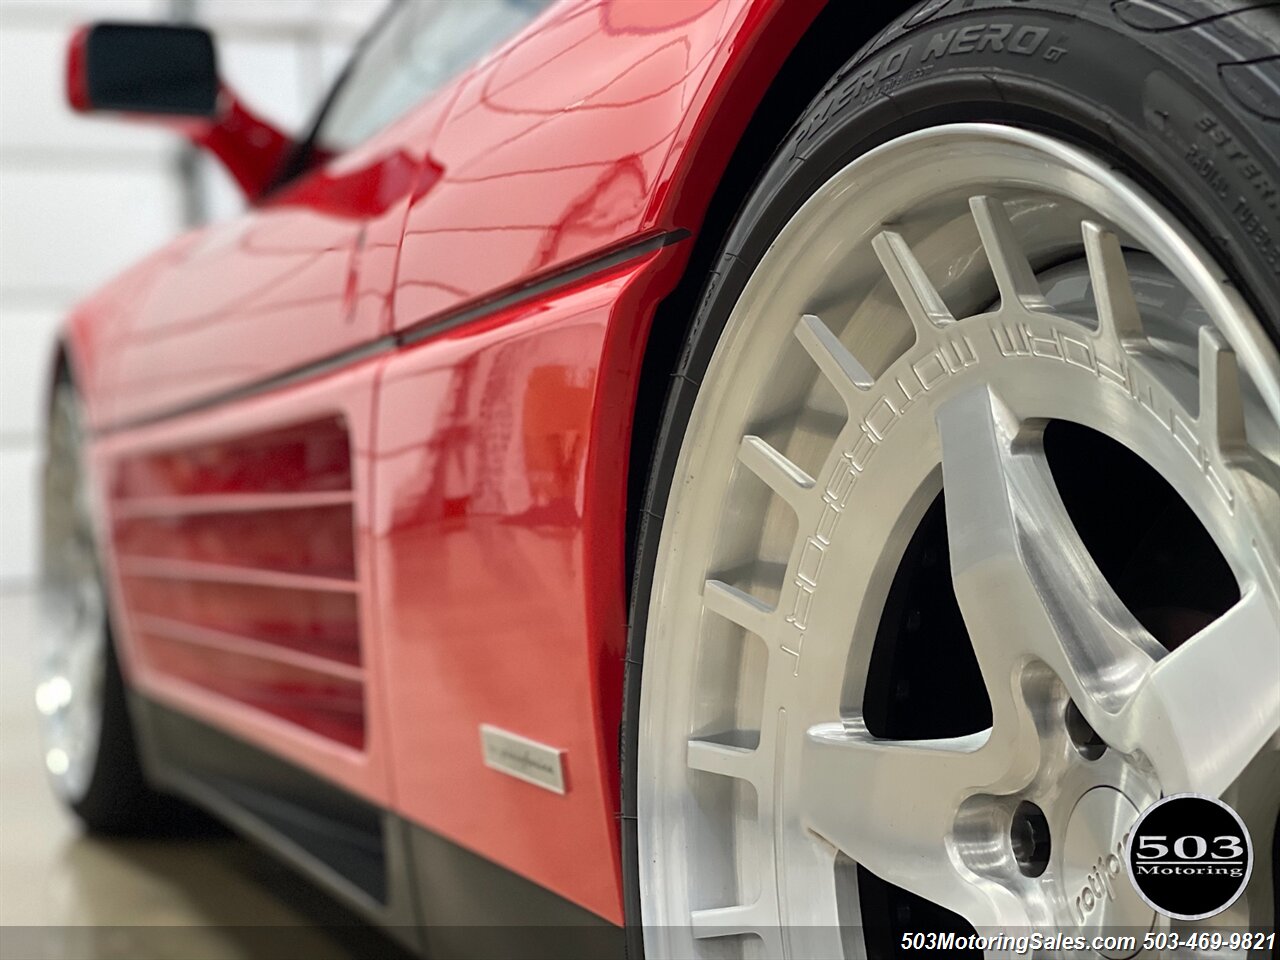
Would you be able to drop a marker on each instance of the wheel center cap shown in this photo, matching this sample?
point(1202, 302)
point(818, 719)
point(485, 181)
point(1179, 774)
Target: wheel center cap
point(1099, 894)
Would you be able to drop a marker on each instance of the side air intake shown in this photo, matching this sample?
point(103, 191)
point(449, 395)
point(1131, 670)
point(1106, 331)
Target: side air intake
point(238, 563)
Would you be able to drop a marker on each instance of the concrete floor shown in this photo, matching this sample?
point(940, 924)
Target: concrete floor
point(67, 895)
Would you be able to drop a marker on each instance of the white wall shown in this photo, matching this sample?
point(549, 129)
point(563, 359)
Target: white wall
point(82, 198)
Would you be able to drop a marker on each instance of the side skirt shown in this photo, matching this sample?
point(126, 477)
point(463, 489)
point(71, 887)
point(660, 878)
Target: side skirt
point(433, 896)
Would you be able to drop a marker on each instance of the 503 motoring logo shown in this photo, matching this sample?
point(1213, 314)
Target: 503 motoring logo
point(1189, 856)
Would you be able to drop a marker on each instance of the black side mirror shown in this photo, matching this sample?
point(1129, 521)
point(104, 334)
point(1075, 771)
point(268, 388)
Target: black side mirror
point(144, 68)
point(168, 76)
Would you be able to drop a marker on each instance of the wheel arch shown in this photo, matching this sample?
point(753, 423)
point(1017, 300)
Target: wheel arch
point(774, 108)
point(711, 185)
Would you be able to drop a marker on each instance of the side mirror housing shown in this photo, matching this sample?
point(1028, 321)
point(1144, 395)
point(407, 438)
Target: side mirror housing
point(145, 69)
point(168, 75)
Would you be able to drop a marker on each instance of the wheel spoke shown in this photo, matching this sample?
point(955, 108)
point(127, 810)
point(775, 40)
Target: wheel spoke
point(1118, 317)
point(1025, 582)
point(921, 299)
point(739, 607)
point(1205, 710)
point(785, 478)
point(849, 377)
point(731, 921)
point(1014, 277)
point(1221, 427)
point(725, 760)
point(891, 806)
point(1221, 417)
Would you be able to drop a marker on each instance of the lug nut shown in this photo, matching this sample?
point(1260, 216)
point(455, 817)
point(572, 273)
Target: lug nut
point(1029, 836)
point(1085, 739)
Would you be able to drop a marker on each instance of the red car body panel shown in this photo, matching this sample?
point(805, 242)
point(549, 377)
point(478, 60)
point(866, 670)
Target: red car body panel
point(297, 280)
point(160, 671)
point(600, 124)
point(489, 460)
point(498, 544)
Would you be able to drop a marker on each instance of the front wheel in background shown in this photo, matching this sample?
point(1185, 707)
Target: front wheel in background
point(967, 549)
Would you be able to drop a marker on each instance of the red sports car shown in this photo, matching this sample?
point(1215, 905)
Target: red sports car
point(703, 477)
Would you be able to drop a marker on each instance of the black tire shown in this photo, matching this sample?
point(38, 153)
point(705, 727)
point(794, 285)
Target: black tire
point(118, 800)
point(1183, 96)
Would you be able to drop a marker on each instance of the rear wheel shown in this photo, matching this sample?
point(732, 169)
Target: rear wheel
point(90, 752)
point(965, 547)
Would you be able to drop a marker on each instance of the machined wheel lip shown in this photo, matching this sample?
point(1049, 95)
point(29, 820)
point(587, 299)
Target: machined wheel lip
point(69, 688)
point(951, 156)
point(71, 669)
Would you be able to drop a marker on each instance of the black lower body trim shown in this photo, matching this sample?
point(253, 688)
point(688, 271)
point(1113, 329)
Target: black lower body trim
point(430, 894)
point(471, 907)
point(346, 834)
point(353, 849)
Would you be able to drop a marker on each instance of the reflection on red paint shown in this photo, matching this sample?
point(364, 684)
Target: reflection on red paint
point(264, 518)
point(498, 536)
point(361, 192)
point(450, 551)
point(299, 459)
point(554, 418)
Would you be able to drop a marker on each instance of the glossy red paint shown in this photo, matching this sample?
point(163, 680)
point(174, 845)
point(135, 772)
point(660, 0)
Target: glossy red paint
point(249, 147)
point(470, 195)
point(488, 463)
point(306, 275)
point(241, 571)
point(238, 563)
point(605, 121)
point(245, 299)
point(77, 85)
point(498, 528)
point(301, 278)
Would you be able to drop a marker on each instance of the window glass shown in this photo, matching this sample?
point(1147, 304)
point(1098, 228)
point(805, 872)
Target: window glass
point(420, 46)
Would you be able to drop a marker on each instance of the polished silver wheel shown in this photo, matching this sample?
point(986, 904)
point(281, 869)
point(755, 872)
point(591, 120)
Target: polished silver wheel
point(959, 326)
point(73, 660)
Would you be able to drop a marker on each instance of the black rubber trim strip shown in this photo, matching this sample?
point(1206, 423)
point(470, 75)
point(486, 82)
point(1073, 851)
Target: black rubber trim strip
point(472, 908)
point(356, 851)
point(413, 334)
point(564, 278)
point(433, 896)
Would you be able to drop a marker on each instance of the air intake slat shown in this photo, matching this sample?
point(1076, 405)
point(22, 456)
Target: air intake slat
point(324, 705)
point(161, 569)
point(309, 457)
point(238, 563)
point(316, 541)
point(227, 503)
point(230, 643)
point(323, 624)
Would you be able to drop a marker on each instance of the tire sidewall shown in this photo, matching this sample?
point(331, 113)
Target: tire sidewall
point(1148, 103)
